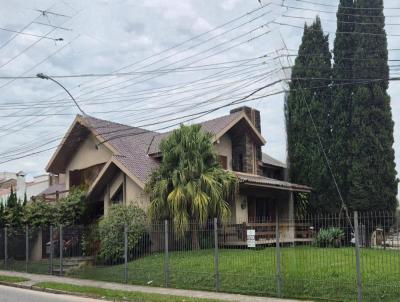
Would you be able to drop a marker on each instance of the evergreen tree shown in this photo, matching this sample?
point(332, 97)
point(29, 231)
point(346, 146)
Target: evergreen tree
point(310, 90)
point(2, 219)
point(25, 199)
point(344, 49)
point(372, 175)
point(13, 212)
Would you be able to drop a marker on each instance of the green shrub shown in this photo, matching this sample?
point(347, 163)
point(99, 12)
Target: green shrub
point(111, 231)
point(70, 209)
point(331, 237)
point(40, 213)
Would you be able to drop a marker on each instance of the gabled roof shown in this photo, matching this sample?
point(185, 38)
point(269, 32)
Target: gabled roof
point(217, 127)
point(269, 160)
point(128, 144)
point(131, 146)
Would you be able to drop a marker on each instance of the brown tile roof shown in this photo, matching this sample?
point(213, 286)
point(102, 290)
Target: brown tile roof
point(250, 179)
point(269, 160)
point(134, 144)
point(213, 126)
point(131, 143)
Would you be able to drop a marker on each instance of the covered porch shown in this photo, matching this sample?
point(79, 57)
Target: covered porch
point(266, 206)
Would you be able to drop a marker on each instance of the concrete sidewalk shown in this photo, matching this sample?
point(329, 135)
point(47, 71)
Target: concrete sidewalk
point(34, 278)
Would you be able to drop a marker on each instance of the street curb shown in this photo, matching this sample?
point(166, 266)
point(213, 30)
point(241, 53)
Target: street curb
point(52, 291)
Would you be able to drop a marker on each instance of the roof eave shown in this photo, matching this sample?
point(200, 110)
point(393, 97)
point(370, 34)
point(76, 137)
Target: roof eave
point(261, 139)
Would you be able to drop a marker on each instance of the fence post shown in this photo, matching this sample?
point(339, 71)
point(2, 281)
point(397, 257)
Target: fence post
point(51, 251)
point(216, 255)
point(357, 245)
point(166, 256)
point(278, 255)
point(26, 247)
point(61, 249)
point(126, 253)
point(5, 247)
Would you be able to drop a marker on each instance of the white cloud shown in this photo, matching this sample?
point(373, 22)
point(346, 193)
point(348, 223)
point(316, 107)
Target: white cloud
point(119, 33)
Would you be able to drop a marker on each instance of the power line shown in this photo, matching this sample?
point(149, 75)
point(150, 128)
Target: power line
point(330, 12)
point(53, 26)
point(339, 32)
point(346, 7)
point(338, 21)
point(168, 49)
point(22, 29)
point(31, 35)
point(48, 12)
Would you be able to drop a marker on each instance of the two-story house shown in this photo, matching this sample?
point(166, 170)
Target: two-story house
point(114, 161)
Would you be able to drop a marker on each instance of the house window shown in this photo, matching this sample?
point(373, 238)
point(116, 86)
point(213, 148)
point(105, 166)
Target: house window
point(118, 196)
point(223, 160)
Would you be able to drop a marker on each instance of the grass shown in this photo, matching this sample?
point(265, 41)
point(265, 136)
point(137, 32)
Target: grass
point(111, 294)
point(12, 279)
point(307, 272)
point(37, 267)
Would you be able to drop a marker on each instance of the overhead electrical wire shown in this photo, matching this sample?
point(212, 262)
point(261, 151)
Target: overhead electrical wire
point(171, 48)
point(30, 34)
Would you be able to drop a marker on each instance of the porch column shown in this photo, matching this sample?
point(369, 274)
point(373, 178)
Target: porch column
point(107, 202)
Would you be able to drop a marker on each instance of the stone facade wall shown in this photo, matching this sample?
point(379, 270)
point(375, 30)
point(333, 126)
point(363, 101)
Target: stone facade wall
point(243, 143)
point(245, 153)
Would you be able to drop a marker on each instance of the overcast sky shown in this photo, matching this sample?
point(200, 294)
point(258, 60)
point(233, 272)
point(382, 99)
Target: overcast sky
point(100, 37)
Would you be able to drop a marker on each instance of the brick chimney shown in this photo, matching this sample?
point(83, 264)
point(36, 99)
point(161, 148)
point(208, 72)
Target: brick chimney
point(252, 114)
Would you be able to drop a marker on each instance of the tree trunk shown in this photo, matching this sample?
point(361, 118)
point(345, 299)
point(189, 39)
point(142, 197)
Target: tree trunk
point(195, 236)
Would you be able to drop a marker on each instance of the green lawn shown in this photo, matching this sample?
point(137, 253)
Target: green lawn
point(37, 267)
point(117, 295)
point(12, 279)
point(307, 272)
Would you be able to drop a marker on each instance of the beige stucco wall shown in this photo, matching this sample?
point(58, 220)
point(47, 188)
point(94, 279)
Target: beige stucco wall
point(86, 156)
point(224, 147)
point(134, 193)
point(240, 215)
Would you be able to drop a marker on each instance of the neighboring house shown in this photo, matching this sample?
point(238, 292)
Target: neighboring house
point(16, 181)
point(114, 161)
point(38, 186)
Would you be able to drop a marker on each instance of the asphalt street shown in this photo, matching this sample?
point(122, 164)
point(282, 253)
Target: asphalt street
point(12, 294)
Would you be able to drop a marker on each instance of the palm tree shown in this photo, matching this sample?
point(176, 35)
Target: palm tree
point(190, 185)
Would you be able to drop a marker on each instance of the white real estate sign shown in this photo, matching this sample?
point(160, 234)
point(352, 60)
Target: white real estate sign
point(251, 238)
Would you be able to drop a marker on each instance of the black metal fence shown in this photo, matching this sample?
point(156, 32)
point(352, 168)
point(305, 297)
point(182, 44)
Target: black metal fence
point(336, 257)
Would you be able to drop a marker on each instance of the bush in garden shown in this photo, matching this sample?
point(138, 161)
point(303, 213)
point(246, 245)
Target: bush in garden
point(111, 231)
point(71, 208)
point(40, 213)
point(331, 237)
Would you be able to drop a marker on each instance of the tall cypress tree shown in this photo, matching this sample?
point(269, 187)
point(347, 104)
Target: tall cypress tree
point(340, 120)
point(372, 175)
point(309, 90)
